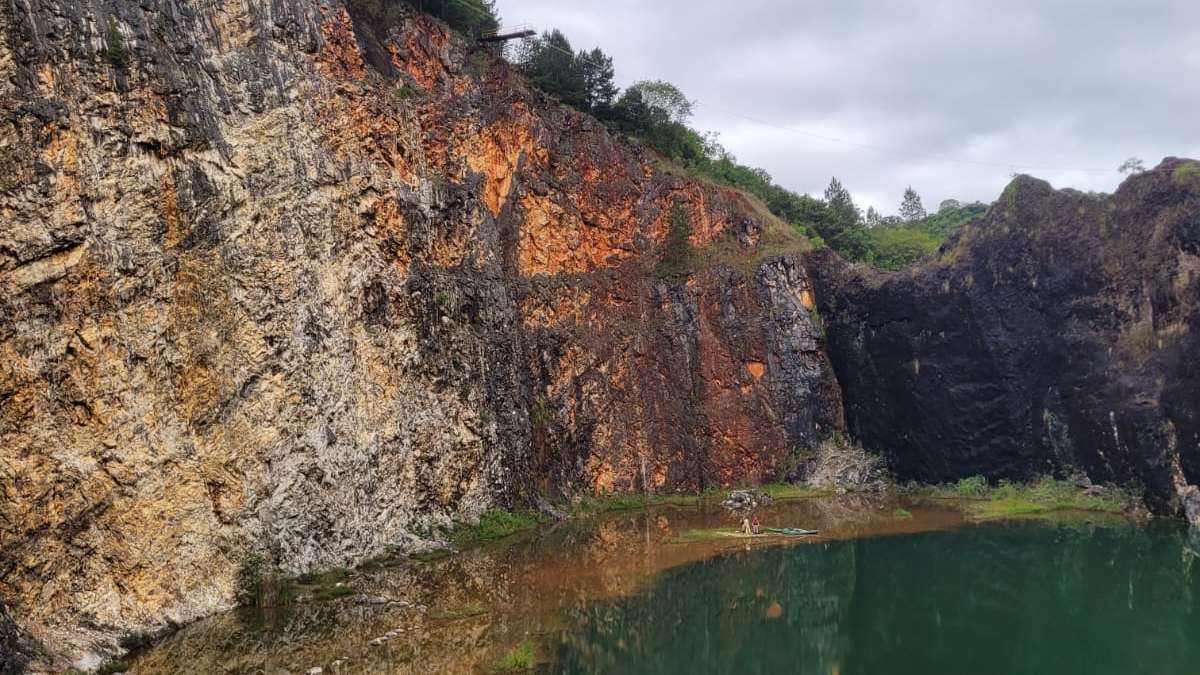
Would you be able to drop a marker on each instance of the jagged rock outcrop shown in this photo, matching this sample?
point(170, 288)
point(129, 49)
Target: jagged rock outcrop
point(275, 279)
point(1060, 333)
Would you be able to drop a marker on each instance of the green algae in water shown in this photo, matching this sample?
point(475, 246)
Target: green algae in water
point(1003, 598)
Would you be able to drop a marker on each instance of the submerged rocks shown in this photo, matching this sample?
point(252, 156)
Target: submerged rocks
point(741, 500)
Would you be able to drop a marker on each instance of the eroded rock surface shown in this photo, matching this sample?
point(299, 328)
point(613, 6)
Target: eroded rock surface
point(1059, 333)
point(277, 281)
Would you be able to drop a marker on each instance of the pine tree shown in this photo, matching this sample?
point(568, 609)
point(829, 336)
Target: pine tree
point(843, 230)
point(841, 203)
point(598, 81)
point(911, 208)
point(873, 219)
point(552, 66)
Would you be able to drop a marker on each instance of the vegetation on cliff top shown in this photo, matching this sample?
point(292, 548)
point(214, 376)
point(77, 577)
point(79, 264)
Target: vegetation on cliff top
point(656, 113)
point(470, 17)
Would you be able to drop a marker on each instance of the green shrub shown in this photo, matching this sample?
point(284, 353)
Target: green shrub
point(677, 255)
point(477, 64)
point(260, 583)
point(539, 413)
point(518, 659)
point(1044, 495)
point(902, 514)
point(114, 50)
point(971, 486)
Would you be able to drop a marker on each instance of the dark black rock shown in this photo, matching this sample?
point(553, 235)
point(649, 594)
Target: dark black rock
point(1056, 334)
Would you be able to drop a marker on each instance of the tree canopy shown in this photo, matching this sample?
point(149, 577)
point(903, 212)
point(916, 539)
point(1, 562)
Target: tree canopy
point(471, 17)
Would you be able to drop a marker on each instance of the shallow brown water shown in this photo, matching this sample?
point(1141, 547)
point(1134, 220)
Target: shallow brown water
point(525, 585)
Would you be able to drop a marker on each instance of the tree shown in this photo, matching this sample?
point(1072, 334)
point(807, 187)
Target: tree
point(598, 73)
point(664, 96)
point(911, 208)
point(841, 203)
point(873, 219)
point(843, 229)
point(1131, 166)
point(472, 17)
point(552, 66)
point(949, 205)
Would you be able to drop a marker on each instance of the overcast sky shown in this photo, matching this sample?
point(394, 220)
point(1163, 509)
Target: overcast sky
point(1035, 86)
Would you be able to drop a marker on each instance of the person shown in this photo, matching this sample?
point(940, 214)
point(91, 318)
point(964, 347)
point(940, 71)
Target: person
point(754, 524)
point(746, 526)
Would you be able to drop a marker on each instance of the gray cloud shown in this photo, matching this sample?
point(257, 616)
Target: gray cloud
point(1035, 86)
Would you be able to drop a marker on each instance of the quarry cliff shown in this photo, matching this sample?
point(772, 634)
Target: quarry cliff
point(276, 280)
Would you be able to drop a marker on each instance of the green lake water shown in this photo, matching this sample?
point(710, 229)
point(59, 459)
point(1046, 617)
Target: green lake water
point(1004, 598)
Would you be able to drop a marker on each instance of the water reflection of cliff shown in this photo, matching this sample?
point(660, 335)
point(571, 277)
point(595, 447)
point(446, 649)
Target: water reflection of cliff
point(1004, 598)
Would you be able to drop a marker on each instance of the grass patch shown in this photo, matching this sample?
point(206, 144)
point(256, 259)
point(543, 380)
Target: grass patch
point(711, 534)
point(1044, 495)
point(789, 491)
point(902, 514)
point(591, 506)
point(1185, 172)
point(518, 659)
point(456, 613)
point(494, 524)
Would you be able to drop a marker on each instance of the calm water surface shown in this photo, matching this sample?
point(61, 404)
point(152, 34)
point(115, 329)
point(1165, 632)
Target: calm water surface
point(875, 593)
point(998, 598)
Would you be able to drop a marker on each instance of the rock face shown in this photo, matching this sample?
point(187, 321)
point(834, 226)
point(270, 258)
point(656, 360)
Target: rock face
point(275, 280)
point(278, 280)
point(14, 650)
point(1060, 333)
